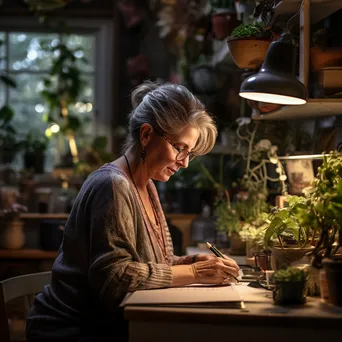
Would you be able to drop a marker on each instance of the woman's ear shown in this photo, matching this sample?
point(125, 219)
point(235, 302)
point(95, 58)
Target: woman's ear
point(145, 133)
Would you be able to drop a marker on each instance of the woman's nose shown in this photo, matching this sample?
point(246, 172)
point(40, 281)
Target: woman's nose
point(184, 162)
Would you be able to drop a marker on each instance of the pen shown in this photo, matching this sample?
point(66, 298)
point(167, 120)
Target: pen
point(219, 255)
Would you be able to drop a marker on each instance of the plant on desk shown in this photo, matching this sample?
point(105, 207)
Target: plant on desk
point(12, 235)
point(323, 213)
point(35, 145)
point(290, 286)
point(285, 236)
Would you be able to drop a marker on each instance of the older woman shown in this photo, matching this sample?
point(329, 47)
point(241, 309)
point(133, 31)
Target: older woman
point(116, 239)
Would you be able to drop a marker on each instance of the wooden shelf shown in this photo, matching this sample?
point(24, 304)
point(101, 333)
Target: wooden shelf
point(312, 109)
point(64, 216)
point(39, 216)
point(320, 9)
point(33, 254)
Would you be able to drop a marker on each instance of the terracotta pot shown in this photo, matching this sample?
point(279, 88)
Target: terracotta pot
point(248, 53)
point(320, 58)
point(284, 257)
point(12, 234)
point(223, 24)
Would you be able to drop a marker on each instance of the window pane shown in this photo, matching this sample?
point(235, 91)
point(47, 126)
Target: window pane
point(2, 94)
point(27, 103)
point(86, 43)
point(27, 50)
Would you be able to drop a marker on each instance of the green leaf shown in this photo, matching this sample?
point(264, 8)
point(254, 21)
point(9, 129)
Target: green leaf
point(8, 81)
point(273, 229)
point(6, 114)
point(74, 123)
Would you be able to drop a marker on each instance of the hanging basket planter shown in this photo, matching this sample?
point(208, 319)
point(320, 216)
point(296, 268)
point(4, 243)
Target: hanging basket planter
point(248, 53)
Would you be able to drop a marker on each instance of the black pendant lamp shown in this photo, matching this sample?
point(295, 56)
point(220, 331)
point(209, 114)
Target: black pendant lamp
point(276, 81)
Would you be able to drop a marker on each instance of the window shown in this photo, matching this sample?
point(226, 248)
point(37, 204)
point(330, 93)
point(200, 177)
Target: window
point(28, 62)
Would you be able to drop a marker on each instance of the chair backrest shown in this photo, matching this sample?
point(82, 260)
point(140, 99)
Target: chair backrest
point(16, 287)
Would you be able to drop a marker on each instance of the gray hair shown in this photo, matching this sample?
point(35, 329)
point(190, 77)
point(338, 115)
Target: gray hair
point(169, 108)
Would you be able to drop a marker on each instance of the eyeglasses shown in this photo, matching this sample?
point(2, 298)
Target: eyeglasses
point(182, 152)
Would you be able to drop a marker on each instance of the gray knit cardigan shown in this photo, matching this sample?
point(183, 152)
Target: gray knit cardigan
point(106, 252)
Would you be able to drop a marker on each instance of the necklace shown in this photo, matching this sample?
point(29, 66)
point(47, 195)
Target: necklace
point(159, 240)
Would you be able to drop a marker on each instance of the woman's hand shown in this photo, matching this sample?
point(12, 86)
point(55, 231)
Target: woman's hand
point(209, 269)
point(227, 261)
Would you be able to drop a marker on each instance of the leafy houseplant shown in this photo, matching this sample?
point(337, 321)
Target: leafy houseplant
point(285, 226)
point(290, 286)
point(324, 215)
point(286, 237)
point(253, 233)
point(323, 208)
point(34, 152)
point(62, 89)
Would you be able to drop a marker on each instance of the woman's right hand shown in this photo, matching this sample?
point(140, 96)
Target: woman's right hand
point(215, 271)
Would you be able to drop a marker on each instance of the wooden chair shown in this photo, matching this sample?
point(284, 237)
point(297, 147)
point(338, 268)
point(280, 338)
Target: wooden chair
point(16, 287)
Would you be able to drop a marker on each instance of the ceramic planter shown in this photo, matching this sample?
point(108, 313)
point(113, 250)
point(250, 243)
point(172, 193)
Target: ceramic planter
point(284, 257)
point(248, 53)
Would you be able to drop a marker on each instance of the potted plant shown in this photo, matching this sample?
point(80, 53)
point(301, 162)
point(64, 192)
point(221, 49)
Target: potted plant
point(253, 233)
point(287, 239)
point(248, 45)
point(324, 215)
point(223, 18)
point(290, 286)
point(34, 152)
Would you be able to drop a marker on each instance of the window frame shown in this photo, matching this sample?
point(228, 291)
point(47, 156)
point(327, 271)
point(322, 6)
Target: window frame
point(103, 30)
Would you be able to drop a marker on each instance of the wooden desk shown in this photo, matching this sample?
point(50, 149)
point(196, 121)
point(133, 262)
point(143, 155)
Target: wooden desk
point(262, 321)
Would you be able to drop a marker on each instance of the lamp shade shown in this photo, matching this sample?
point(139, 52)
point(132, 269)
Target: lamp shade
point(276, 81)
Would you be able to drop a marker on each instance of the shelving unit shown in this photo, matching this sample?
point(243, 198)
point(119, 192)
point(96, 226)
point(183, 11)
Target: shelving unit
point(310, 11)
point(182, 221)
point(32, 254)
point(313, 108)
point(320, 9)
